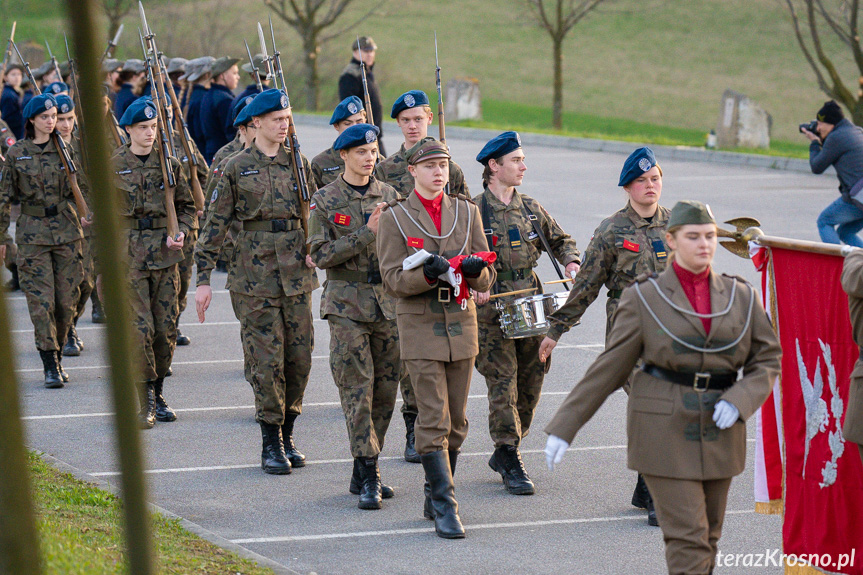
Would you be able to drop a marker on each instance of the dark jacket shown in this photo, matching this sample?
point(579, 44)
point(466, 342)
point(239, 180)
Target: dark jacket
point(842, 149)
point(215, 115)
point(193, 116)
point(11, 108)
point(351, 84)
point(124, 98)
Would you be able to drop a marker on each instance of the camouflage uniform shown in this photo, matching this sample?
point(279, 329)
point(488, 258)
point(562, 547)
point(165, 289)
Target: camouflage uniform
point(327, 166)
point(219, 161)
point(268, 279)
point(364, 344)
point(511, 367)
point(49, 235)
point(153, 278)
point(624, 246)
point(88, 281)
point(7, 138)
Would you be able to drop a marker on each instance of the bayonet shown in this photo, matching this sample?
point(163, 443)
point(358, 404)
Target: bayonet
point(368, 100)
point(54, 62)
point(112, 44)
point(254, 68)
point(263, 44)
point(277, 65)
point(144, 20)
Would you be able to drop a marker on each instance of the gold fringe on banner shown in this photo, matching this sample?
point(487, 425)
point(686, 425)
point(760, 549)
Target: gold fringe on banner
point(772, 507)
point(802, 570)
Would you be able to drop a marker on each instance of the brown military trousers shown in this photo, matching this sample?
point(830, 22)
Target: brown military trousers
point(690, 514)
point(441, 390)
point(153, 295)
point(364, 360)
point(49, 277)
point(278, 338)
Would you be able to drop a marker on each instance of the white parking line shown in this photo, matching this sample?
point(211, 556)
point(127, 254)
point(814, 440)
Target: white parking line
point(183, 325)
point(507, 525)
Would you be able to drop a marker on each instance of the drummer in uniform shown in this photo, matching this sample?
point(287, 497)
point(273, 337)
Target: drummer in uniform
point(627, 243)
point(327, 165)
point(518, 229)
point(427, 237)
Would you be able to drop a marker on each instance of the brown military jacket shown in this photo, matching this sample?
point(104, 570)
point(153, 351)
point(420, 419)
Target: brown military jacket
point(254, 187)
point(429, 328)
point(340, 242)
point(394, 171)
point(327, 166)
point(517, 245)
point(142, 195)
point(852, 283)
point(670, 427)
point(35, 177)
point(623, 247)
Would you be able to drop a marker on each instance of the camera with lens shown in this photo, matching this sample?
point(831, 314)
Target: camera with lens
point(811, 126)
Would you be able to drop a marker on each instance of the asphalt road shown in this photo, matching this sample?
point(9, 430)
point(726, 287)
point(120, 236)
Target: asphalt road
point(205, 466)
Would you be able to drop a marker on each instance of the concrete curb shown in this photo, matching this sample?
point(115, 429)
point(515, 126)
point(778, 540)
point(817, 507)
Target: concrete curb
point(679, 153)
point(185, 523)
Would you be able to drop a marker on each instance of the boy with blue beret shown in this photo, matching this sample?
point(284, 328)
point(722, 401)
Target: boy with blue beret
point(327, 165)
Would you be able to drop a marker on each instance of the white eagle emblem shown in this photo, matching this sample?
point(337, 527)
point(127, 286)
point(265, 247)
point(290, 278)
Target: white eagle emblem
point(410, 101)
point(644, 164)
point(49, 104)
point(352, 108)
point(518, 138)
point(64, 109)
point(284, 101)
point(370, 136)
point(149, 113)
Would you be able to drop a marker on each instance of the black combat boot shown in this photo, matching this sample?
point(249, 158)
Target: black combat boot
point(296, 458)
point(51, 371)
point(370, 478)
point(13, 284)
point(147, 398)
point(273, 459)
point(641, 495)
point(182, 339)
point(447, 523)
point(63, 375)
point(163, 412)
point(386, 491)
point(506, 460)
point(652, 520)
point(71, 349)
point(411, 455)
point(98, 312)
point(77, 337)
point(427, 506)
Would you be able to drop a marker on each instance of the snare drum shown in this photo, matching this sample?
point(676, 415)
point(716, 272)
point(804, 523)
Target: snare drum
point(527, 316)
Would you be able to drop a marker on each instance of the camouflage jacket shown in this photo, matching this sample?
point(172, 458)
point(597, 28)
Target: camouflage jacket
point(224, 153)
point(35, 177)
point(518, 247)
point(254, 187)
point(340, 241)
point(202, 168)
point(142, 195)
point(7, 138)
point(394, 171)
point(624, 246)
point(327, 166)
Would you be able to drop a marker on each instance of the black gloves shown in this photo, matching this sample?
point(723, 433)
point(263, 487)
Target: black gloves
point(472, 266)
point(435, 265)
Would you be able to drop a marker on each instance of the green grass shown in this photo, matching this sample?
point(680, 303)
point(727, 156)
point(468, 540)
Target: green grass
point(81, 532)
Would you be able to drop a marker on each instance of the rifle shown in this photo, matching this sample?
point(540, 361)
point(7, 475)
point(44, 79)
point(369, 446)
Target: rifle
point(163, 127)
point(267, 60)
point(370, 118)
point(440, 119)
point(76, 95)
point(54, 62)
point(293, 142)
point(65, 157)
point(254, 68)
point(8, 54)
point(112, 44)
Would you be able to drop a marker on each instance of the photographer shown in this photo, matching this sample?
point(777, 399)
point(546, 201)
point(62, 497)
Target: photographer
point(839, 143)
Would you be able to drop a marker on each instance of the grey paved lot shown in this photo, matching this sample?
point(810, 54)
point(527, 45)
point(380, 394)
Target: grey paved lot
point(205, 467)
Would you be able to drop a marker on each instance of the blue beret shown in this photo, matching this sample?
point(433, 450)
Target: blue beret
point(55, 88)
point(346, 108)
point(39, 104)
point(499, 146)
point(638, 162)
point(267, 101)
point(356, 135)
point(141, 110)
point(64, 104)
point(237, 116)
point(407, 100)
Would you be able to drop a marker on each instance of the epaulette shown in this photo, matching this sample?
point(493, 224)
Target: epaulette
point(465, 198)
point(738, 278)
point(646, 276)
point(392, 203)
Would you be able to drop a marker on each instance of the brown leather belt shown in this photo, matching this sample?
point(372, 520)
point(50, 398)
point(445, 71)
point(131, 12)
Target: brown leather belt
point(283, 225)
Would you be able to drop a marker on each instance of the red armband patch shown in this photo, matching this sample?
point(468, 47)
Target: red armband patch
point(631, 246)
point(415, 243)
point(342, 219)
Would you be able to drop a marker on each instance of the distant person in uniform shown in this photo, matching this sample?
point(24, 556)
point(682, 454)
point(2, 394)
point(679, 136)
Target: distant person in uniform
point(252, 88)
point(198, 75)
point(351, 81)
point(112, 69)
point(12, 101)
point(327, 165)
point(216, 106)
point(133, 76)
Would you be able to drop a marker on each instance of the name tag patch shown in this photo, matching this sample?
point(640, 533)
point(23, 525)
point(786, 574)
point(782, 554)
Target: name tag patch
point(342, 219)
point(124, 172)
point(532, 235)
point(659, 250)
point(333, 169)
point(631, 246)
point(249, 172)
point(415, 243)
point(24, 158)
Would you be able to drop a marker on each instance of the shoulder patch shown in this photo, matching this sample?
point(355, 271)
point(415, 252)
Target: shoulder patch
point(645, 276)
point(392, 203)
point(738, 278)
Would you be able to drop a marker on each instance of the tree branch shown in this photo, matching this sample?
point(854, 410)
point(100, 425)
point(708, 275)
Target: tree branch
point(854, 33)
point(839, 89)
point(795, 20)
point(837, 29)
point(576, 15)
point(356, 23)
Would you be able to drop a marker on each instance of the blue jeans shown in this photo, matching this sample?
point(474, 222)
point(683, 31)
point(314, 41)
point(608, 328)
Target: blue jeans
point(847, 220)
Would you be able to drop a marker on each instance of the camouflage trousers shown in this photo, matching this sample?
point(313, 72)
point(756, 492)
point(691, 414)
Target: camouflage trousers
point(11, 254)
point(49, 277)
point(409, 398)
point(442, 388)
point(153, 295)
point(513, 375)
point(364, 360)
point(184, 268)
point(88, 284)
point(278, 338)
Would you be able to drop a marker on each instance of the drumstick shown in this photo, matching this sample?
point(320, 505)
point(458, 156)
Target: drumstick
point(558, 281)
point(516, 292)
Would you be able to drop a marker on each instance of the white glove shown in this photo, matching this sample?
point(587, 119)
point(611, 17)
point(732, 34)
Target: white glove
point(555, 447)
point(415, 260)
point(725, 414)
point(572, 274)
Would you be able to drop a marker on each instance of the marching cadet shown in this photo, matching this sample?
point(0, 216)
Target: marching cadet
point(57, 88)
point(133, 76)
point(518, 230)
point(852, 283)
point(252, 89)
point(216, 106)
point(364, 348)
point(694, 330)
point(152, 254)
point(412, 112)
point(351, 81)
point(112, 69)
point(198, 74)
point(12, 100)
point(427, 237)
point(7, 139)
point(626, 244)
point(48, 232)
point(270, 278)
point(176, 69)
point(327, 165)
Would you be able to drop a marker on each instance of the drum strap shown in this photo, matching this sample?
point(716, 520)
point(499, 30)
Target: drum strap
point(538, 229)
point(486, 223)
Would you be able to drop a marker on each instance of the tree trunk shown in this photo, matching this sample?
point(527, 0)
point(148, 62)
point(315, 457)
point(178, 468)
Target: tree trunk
point(857, 112)
point(557, 101)
point(310, 65)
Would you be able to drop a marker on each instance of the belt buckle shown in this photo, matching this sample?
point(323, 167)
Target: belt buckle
point(51, 211)
point(518, 274)
point(279, 225)
point(701, 376)
point(145, 224)
point(443, 295)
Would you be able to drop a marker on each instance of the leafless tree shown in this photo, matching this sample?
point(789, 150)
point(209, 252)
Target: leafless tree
point(309, 18)
point(116, 10)
point(558, 17)
point(811, 19)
